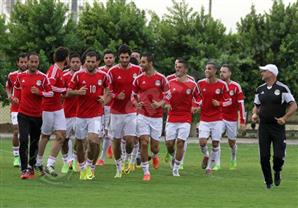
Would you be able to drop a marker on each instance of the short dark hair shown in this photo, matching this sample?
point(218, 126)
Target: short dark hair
point(212, 62)
point(74, 55)
point(136, 51)
point(108, 51)
point(33, 54)
point(92, 54)
point(226, 66)
point(22, 55)
point(124, 49)
point(149, 57)
point(61, 54)
point(182, 61)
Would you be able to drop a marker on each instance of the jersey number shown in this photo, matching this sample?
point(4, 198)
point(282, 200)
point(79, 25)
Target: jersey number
point(92, 89)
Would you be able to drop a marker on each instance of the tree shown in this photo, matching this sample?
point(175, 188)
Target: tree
point(107, 26)
point(38, 26)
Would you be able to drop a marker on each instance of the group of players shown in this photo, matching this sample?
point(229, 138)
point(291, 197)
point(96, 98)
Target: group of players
point(122, 104)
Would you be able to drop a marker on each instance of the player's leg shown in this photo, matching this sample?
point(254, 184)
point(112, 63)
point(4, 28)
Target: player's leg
point(65, 146)
point(81, 133)
point(144, 157)
point(182, 134)
point(204, 132)
point(155, 134)
point(171, 135)
point(116, 127)
point(216, 134)
point(46, 131)
point(24, 134)
point(60, 133)
point(231, 131)
point(279, 148)
point(15, 139)
point(35, 125)
point(129, 132)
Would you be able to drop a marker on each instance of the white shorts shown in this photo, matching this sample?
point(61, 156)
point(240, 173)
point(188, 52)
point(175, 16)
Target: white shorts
point(123, 125)
point(106, 117)
point(88, 125)
point(231, 129)
point(149, 126)
point(70, 127)
point(213, 129)
point(53, 121)
point(14, 118)
point(177, 131)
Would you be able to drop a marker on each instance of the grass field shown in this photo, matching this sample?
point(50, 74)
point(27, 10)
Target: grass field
point(239, 188)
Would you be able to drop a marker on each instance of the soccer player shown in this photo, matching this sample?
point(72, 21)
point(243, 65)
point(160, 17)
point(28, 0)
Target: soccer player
point(150, 92)
point(109, 60)
point(136, 55)
point(168, 156)
point(53, 118)
point(91, 85)
point(123, 112)
point(12, 92)
point(230, 113)
point(70, 111)
point(33, 85)
point(184, 94)
point(214, 95)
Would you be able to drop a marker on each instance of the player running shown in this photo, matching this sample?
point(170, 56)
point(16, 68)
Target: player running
point(22, 64)
point(123, 112)
point(91, 85)
point(184, 94)
point(109, 60)
point(214, 96)
point(53, 114)
point(70, 104)
point(150, 92)
point(230, 113)
point(33, 85)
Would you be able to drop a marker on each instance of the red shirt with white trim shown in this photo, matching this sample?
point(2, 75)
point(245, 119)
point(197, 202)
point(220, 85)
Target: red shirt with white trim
point(122, 80)
point(55, 75)
point(31, 104)
point(173, 76)
point(88, 104)
point(11, 79)
point(230, 113)
point(208, 91)
point(148, 88)
point(182, 98)
point(70, 104)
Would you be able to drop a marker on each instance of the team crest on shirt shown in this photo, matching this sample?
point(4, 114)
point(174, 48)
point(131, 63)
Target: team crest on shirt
point(277, 92)
point(38, 82)
point(144, 82)
point(217, 91)
point(232, 93)
point(188, 91)
point(134, 75)
point(84, 82)
point(99, 82)
point(157, 83)
point(204, 89)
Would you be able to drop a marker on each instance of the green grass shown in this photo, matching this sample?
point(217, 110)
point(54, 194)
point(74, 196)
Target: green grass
point(240, 188)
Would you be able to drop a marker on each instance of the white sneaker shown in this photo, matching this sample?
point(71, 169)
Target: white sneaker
point(176, 173)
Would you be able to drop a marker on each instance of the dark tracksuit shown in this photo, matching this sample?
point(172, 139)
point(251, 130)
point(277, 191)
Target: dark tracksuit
point(28, 126)
point(272, 103)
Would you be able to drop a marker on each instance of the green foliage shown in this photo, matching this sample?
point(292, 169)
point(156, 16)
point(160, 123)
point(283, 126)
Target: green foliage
point(106, 26)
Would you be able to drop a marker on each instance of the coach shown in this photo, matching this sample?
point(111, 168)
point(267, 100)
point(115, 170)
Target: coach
point(271, 102)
